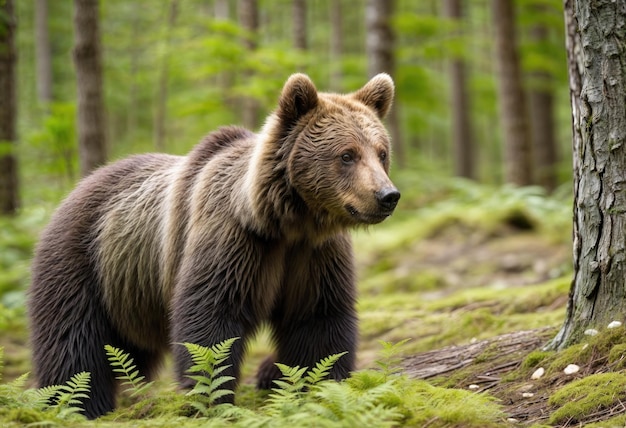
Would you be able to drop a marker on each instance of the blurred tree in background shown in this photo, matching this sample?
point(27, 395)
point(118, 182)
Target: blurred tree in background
point(8, 162)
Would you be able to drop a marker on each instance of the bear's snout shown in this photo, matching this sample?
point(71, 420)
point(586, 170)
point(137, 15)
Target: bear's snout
point(388, 198)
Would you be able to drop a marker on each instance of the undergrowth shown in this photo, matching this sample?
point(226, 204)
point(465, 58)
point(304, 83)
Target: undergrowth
point(303, 397)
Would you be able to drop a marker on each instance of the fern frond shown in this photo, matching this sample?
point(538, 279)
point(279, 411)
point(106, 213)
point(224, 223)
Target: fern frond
point(71, 395)
point(122, 363)
point(207, 371)
point(42, 397)
point(389, 360)
point(322, 368)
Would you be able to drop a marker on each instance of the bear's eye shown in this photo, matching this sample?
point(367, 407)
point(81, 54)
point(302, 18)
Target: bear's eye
point(347, 158)
point(383, 156)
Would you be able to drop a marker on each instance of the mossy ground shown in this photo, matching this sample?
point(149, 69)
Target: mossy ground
point(458, 265)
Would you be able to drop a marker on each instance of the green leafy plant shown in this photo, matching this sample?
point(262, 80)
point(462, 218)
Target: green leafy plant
point(69, 398)
point(124, 365)
point(207, 372)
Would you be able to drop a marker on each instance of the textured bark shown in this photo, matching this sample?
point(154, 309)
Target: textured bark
point(380, 58)
point(462, 138)
point(160, 120)
point(299, 25)
point(541, 103)
point(8, 110)
point(88, 63)
point(43, 52)
point(248, 13)
point(336, 45)
point(596, 44)
point(512, 103)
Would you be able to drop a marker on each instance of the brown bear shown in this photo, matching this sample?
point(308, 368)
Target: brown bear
point(247, 229)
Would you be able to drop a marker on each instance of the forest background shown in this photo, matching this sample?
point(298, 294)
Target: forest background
point(481, 131)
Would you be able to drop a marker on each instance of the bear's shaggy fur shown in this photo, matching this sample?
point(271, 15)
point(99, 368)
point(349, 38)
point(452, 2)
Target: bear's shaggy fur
point(156, 250)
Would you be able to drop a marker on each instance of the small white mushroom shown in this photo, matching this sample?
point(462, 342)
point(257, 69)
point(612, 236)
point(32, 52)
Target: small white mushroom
point(474, 387)
point(538, 373)
point(528, 394)
point(614, 324)
point(571, 369)
point(591, 332)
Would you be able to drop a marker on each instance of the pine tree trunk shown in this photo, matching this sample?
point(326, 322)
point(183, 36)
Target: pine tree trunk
point(541, 103)
point(248, 13)
point(88, 62)
point(160, 120)
point(336, 45)
point(461, 125)
point(9, 196)
point(512, 103)
point(380, 59)
point(596, 44)
point(299, 25)
point(43, 53)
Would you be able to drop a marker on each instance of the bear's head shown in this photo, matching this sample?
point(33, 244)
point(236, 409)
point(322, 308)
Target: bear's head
point(338, 151)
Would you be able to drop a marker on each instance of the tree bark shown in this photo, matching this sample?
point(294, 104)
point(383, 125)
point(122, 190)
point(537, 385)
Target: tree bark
point(299, 25)
point(9, 195)
point(160, 121)
point(248, 14)
point(596, 46)
point(336, 45)
point(43, 53)
point(461, 125)
point(88, 63)
point(512, 102)
point(541, 103)
point(380, 59)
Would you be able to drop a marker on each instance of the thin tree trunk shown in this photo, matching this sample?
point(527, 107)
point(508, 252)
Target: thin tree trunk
point(512, 102)
point(249, 20)
point(336, 45)
point(461, 125)
point(380, 58)
point(88, 62)
point(299, 25)
point(43, 53)
point(9, 194)
point(541, 102)
point(160, 125)
point(596, 46)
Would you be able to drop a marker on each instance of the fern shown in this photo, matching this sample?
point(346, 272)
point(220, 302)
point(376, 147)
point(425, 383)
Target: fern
point(123, 364)
point(322, 369)
point(42, 397)
point(71, 395)
point(389, 363)
point(207, 372)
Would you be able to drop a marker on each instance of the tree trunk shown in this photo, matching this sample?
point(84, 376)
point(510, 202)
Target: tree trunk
point(513, 113)
point(88, 62)
point(249, 20)
point(380, 58)
point(596, 46)
point(9, 198)
point(43, 53)
point(160, 125)
point(541, 102)
point(336, 46)
point(461, 124)
point(299, 25)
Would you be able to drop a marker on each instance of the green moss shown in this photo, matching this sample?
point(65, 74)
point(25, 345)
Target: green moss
point(617, 356)
point(585, 396)
point(534, 359)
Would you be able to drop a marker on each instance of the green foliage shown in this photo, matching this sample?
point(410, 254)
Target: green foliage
point(70, 396)
point(123, 364)
point(207, 372)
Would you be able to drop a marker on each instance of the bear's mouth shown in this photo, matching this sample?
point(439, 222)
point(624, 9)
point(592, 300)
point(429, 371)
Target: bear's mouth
point(369, 218)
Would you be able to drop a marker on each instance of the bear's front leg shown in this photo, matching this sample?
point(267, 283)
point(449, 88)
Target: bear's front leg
point(315, 316)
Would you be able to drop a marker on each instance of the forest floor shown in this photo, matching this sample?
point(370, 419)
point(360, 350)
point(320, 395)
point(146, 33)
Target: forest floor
point(478, 291)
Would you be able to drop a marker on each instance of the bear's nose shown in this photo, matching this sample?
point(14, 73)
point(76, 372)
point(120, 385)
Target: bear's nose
point(388, 198)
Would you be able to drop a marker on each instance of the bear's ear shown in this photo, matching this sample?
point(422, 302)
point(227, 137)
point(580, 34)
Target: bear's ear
point(299, 96)
point(377, 94)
